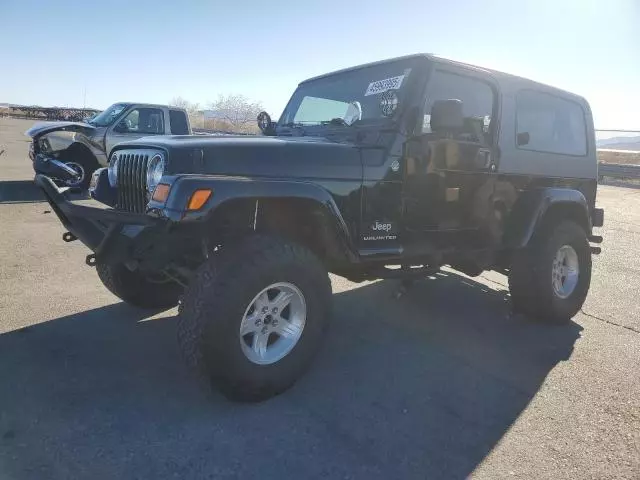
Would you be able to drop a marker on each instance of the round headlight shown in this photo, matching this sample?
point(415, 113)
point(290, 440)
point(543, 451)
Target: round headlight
point(155, 170)
point(113, 170)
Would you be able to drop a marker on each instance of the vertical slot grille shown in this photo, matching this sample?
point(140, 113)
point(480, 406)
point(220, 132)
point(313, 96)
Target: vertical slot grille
point(132, 182)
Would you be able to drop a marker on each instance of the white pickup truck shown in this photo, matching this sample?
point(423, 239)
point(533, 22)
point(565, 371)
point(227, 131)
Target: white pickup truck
point(71, 151)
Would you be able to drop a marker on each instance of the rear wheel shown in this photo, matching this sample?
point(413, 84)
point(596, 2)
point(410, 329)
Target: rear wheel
point(137, 289)
point(253, 318)
point(549, 279)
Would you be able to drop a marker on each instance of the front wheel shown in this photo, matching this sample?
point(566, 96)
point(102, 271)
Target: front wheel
point(549, 280)
point(138, 289)
point(82, 162)
point(254, 316)
point(83, 169)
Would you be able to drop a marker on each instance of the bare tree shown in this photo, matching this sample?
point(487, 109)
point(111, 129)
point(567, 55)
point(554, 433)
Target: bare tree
point(180, 102)
point(237, 111)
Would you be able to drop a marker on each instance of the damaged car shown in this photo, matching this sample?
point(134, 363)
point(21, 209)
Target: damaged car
point(69, 152)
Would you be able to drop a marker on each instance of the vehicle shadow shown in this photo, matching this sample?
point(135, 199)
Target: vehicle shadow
point(420, 387)
point(20, 191)
point(26, 191)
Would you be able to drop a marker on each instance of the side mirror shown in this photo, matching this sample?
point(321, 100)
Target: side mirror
point(121, 127)
point(523, 138)
point(447, 116)
point(265, 124)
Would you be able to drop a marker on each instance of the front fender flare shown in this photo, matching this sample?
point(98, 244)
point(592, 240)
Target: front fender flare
point(532, 206)
point(226, 189)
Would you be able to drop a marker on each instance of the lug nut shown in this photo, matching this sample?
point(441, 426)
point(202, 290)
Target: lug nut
point(275, 310)
point(258, 322)
point(265, 309)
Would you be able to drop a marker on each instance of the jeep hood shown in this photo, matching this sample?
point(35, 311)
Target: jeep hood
point(249, 156)
point(43, 128)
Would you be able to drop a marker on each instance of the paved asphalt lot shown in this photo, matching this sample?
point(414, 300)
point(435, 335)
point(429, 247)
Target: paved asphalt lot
point(442, 383)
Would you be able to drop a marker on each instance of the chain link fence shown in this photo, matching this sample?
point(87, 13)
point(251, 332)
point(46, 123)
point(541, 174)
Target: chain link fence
point(50, 113)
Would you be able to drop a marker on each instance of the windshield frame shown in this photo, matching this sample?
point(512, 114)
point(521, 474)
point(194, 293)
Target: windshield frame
point(95, 121)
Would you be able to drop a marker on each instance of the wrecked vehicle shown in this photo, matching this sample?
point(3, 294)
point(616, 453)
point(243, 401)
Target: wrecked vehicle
point(387, 170)
point(71, 151)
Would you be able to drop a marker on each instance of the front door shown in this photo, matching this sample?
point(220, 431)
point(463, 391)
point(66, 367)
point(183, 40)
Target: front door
point(138, 122)
point(448, 174)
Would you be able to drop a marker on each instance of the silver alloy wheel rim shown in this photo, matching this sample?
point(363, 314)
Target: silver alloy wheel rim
point(565, 271)
point(77, 180)
point(273, 323)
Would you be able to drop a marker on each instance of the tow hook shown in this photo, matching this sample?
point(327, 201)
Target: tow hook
point(69, 237)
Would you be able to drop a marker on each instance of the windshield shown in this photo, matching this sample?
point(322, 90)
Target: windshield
point(107, 117)
point(369, 93)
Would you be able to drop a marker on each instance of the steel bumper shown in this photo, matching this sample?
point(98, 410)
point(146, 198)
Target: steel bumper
point(114, 236)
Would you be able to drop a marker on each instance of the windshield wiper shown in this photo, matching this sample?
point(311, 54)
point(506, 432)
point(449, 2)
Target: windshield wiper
point(297, 126)
point(335, 121)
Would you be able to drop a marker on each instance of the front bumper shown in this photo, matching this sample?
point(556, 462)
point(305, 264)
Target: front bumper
point(114, 236)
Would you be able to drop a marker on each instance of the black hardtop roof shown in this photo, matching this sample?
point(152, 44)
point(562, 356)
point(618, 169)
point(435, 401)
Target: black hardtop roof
point(503, 79)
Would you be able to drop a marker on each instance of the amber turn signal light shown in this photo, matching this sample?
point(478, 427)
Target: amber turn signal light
point(198, 199)
point(161, 193)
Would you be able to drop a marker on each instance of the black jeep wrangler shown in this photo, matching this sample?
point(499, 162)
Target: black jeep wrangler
point(386, 170)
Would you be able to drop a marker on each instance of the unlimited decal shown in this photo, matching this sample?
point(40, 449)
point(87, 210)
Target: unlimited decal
point(380, 227)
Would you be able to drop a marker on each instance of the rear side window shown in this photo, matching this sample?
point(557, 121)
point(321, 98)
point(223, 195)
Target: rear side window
point(553, 124)
point(178, 123)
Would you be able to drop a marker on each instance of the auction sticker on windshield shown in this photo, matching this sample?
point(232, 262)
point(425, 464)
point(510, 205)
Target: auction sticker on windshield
point(381, 86)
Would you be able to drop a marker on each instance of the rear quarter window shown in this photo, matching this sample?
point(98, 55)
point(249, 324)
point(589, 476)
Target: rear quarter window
point(178, 122)
point(553, 124)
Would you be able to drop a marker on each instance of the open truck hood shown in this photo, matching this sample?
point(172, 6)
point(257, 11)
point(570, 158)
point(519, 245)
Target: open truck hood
point(43, 128)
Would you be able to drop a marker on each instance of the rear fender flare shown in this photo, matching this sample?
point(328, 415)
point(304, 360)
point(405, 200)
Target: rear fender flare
point(531, 208)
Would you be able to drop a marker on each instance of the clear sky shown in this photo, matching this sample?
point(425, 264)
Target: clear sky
point(152, 51)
